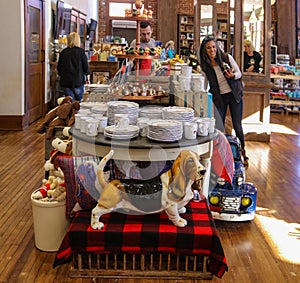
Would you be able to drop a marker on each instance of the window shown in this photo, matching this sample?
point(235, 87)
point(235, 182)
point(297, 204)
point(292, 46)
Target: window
point(118, 9)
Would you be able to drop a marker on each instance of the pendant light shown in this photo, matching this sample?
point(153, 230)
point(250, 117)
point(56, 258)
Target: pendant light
point(252, 18)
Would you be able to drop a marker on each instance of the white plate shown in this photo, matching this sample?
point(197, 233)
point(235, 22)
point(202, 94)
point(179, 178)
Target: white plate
point(120, 137)
point(126, 131)
point(165, 123)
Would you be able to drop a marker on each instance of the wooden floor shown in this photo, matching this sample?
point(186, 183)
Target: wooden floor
point(265, 250)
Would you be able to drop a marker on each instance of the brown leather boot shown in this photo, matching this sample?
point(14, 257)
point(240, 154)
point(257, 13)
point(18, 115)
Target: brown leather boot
point(246, 162)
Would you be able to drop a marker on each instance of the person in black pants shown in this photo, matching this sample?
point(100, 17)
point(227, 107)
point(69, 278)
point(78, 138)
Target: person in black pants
point(73, 68)
point(226, 86)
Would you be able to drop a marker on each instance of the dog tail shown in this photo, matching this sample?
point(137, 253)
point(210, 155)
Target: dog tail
point(100, 174)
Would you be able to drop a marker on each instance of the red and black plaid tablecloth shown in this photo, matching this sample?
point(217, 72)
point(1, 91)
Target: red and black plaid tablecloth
point(142, 234)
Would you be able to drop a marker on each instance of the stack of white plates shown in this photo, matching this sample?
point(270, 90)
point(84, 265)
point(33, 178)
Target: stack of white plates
point(183, 114)
point(165, 130)
point(86, 105)
point(121, 134)
point(97, 87)
point(99, 108)
point(152, 112)
point(122, 107)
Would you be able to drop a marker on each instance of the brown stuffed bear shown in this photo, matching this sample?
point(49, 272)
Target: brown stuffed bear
point(62, 115)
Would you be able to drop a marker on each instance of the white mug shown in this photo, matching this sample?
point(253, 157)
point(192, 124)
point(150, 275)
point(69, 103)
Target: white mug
point(83, 123)
point(190, 130)
point(202, 129)
point(211, 124)
point(92, 127)
point(96, 115)
point(78, 120)
point(102, 124)
point(121, 121)
point(143, 127)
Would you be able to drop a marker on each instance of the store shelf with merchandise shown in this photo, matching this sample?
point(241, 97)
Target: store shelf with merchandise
point(285, 93)
point(185, 34)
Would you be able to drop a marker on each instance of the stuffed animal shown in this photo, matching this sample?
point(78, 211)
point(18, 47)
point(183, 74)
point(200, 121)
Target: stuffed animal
point(49, 184)
point(61, 148)
point(58, 193)
point(62, 115)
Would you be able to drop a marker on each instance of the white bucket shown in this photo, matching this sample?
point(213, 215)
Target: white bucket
point(50, 224)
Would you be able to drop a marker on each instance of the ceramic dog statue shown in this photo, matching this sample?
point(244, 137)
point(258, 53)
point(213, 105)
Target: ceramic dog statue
point(169, 192)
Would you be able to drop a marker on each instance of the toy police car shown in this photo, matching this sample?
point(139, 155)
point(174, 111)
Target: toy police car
point(236, 201)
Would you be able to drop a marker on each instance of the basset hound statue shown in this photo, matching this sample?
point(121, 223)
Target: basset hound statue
point(169, 192)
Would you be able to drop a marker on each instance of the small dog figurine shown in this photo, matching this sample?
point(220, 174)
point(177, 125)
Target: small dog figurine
point(169, 192)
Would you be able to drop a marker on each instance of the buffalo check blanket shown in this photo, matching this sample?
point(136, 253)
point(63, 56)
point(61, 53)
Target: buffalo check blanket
point(144, 234)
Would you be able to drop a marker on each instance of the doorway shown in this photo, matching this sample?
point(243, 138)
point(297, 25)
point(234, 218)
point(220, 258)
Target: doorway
point(35, 60)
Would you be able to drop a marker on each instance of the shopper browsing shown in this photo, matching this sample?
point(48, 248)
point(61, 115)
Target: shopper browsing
point(73, 68)
point(252, 58)
point(224, 77)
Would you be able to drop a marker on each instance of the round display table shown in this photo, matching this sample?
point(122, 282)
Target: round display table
point(144, 149)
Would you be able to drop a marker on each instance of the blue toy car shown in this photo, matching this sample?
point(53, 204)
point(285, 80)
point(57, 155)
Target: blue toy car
point(236, 201)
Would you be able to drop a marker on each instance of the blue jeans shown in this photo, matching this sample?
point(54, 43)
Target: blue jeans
point(76, 93)
point(236, 112)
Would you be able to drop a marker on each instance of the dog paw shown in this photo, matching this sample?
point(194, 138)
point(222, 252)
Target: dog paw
point(97, 225)
point(182, 210)
point(181, 222)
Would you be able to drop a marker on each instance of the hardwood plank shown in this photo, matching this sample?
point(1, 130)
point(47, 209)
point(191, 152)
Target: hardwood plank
point(251, 252)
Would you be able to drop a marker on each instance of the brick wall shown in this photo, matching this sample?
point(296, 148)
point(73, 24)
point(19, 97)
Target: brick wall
point(182, 7)
point(185, 7)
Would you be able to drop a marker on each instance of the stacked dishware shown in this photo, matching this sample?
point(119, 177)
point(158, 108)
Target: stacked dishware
point(121, 134)
point(122, 107)
point(121, 130)
point(183, 114)
point(100, 108)
point(152, 112)
point(185, 77)
point(165, 130)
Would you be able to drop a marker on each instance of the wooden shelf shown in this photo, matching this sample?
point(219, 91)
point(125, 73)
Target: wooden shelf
point(140, 98)
point(124, 56)
point(134, 18)
point(285, 77)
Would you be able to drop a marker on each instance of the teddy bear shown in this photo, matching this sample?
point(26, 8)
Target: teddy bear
point(62, 115)
point(58, 193)
point(61, 148)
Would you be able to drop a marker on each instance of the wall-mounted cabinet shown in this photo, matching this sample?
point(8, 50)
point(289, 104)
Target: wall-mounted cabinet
point(70, 20)
point(78, 24)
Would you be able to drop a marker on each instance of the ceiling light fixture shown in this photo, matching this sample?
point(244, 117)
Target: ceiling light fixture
point(252, 18)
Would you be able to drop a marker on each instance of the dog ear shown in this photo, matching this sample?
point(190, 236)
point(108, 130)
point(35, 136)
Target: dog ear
point(176, 165)
point(178, 185)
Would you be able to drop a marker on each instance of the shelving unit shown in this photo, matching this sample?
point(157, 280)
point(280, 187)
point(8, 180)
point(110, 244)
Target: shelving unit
point(185, 34)
point(285, 94)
